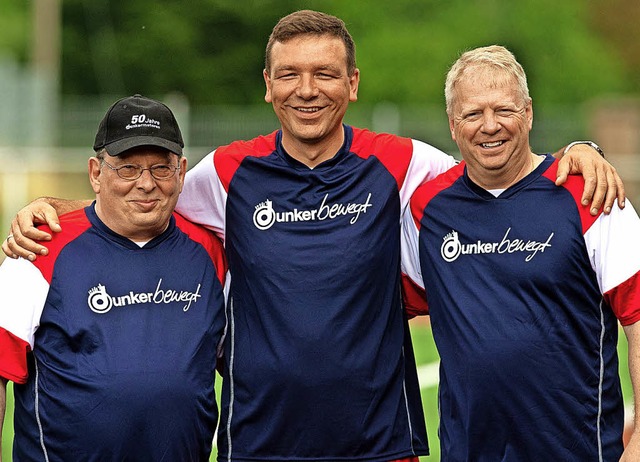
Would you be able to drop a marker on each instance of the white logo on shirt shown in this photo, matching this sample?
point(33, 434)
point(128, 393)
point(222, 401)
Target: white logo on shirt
point(265, 216)
point(101, 302)
point(452, 248)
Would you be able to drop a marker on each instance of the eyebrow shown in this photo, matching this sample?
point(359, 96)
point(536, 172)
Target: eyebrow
point(324, 67)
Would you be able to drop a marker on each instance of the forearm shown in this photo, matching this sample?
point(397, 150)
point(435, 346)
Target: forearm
point(633, 337)
point(559, 154)
point(64, 205)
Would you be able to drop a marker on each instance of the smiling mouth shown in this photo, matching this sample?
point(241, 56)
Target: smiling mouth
point(145, 202)
point(493, 144)
point(308, 110)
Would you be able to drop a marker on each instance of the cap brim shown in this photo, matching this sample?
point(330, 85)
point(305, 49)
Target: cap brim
point(118, 147)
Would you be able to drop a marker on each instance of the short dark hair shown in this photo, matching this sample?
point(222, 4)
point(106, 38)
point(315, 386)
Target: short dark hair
point(311, 22)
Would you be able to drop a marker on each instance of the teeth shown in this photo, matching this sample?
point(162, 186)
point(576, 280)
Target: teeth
point(491, 145)
point(308, 109)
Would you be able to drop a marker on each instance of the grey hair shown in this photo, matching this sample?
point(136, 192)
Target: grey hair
point(493, 56)
point(100, 153)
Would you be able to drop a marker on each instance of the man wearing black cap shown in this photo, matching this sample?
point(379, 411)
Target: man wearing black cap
point(111, 343)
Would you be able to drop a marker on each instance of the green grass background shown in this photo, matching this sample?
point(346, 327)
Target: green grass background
point(425, 353)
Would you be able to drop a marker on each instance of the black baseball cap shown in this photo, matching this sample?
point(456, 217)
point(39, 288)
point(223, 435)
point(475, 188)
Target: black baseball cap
point(138, 121)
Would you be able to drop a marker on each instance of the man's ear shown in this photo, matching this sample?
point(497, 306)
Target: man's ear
point(267, 83)
point(354, 82)
point(95, 167)
point(183, 170)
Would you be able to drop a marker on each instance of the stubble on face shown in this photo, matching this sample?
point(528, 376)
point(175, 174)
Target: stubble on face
point(490, 123)
point(310, 90)
point(138, 209)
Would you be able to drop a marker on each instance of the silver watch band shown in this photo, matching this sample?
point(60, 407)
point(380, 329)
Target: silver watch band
point(590, 143)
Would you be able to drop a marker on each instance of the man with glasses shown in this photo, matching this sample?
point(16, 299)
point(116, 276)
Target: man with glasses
point(111, 339)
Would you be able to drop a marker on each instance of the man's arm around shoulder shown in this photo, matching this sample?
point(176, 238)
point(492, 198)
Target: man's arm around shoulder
point(22, 238)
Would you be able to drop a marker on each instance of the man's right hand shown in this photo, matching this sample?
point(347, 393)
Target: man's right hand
point(21, 241)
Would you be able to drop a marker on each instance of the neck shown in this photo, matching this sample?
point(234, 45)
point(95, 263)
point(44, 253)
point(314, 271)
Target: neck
point(506, 176)
point(142, 232)
point(313, 152)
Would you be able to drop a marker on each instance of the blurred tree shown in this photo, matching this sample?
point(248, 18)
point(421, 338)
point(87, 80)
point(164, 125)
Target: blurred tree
point(14, 29)
point(212, 50)
point(405, 47)
point(209, 50)
point(618, 20)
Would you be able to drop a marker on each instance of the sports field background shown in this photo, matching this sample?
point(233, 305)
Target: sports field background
point(427, 359)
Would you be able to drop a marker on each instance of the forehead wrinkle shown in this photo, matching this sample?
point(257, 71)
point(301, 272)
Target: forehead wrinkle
point(140, 158)
point(491, 76)
point(480, 78)
point(308, 51)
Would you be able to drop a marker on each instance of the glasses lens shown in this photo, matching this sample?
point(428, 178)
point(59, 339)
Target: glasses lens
point(162, 171)
point(129, 172)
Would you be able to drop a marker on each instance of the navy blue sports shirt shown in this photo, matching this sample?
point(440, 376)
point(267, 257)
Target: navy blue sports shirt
point(525, 291)
point(112, 346)
point(318, 356)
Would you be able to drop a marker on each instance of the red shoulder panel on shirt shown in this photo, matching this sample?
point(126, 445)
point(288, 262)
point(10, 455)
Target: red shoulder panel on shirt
point(415, 298)
point(393, 151)
point(228, 158)
point(625, 296)
point(73, 224)
point(575, 186)
point(211, 243)
point(13, 357)
point(430, 189)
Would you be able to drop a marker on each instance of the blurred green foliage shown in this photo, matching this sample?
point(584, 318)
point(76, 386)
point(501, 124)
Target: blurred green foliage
point(14, 29)
point(212, 51)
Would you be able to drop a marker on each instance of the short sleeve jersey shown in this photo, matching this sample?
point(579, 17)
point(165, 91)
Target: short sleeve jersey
point(112, 346)
point(318, 359)
point(525, 291)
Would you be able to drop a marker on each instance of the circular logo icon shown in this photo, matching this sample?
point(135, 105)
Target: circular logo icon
point(451, 247)
point(264, 217)
point(99, 301)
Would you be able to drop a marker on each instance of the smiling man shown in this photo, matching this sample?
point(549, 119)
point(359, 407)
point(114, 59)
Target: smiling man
point(111, 339)
point(523, 285)
point(310, 94)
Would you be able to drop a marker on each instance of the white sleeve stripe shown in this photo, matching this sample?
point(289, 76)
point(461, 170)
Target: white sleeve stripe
point(410, 258)
point(426, 163)
point(23, 293)
point(613, 243)
point(203, 198)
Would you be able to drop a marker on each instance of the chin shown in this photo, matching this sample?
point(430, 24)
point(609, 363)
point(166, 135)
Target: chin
point(308, 133)
point(150, 223)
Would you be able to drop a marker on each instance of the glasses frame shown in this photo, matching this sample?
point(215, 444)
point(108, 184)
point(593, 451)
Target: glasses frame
point(173, 168)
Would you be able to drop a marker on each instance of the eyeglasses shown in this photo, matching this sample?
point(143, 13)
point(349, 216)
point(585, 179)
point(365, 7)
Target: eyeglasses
point(133, 172)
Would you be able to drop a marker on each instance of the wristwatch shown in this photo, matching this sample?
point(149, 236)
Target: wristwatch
point(590, 143)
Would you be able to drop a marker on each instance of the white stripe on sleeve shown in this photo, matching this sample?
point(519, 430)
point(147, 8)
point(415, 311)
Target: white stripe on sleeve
point(23, 292)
